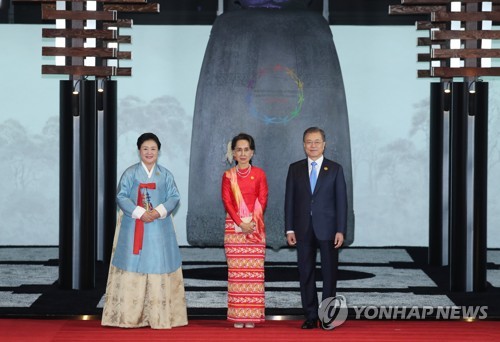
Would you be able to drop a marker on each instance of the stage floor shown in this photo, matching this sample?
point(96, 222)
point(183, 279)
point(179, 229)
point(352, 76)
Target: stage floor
point(392, 276)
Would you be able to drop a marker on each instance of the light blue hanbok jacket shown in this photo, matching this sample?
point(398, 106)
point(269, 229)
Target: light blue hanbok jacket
point(160, 252)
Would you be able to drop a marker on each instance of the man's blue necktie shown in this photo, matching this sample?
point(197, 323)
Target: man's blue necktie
point(313, 176)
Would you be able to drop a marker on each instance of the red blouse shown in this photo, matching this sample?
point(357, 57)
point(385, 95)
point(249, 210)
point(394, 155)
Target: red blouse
point(252, 187)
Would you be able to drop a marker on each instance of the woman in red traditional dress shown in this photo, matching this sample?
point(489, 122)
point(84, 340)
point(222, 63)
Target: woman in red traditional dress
point(244, 194)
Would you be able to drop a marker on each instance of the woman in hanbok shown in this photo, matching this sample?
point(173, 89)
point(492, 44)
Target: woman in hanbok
point(145, 283)
point(244, 194)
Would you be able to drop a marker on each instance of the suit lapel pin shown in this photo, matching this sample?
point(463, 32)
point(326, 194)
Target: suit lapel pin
point(325, 168)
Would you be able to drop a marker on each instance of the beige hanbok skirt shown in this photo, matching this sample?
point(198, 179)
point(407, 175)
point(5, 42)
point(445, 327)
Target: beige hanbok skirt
point(135, 300)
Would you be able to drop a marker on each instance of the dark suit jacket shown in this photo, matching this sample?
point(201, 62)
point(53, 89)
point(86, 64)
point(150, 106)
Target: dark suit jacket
point(327, 205)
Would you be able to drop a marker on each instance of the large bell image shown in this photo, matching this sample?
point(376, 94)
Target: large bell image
point(270, 71)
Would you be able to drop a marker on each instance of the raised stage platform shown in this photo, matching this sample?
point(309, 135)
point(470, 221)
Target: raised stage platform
point(369, 277)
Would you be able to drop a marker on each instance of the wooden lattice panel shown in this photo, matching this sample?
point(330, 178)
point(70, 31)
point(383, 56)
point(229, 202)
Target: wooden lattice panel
point(87, 35)
point(460, 36)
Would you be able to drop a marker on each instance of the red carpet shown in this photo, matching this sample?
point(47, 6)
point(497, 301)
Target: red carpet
point(220, 330)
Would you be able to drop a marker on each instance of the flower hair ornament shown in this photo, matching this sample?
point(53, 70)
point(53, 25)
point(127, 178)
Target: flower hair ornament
point(229, 153)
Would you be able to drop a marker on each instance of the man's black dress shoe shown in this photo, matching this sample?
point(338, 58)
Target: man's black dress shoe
point(310, 324)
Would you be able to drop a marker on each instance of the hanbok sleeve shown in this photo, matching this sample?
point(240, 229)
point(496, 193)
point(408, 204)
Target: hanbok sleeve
point(172, 193)
point(161, 210)
point(124, 193)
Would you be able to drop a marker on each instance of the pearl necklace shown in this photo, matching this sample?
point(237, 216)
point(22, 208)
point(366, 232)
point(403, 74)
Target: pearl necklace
point(244, 174)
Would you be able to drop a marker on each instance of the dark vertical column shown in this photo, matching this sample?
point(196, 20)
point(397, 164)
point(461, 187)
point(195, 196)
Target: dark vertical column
point(468, 187)
point(68, 108)
point(480, 196)
point(435, 252)
point(88, 170)
point(100, 169)
point(4, 11)
point(458, 188)
point(110, 159)
point(78, 177)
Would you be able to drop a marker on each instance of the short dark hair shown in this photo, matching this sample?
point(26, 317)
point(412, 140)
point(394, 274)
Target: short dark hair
point(148, 136)
point(243, 136)
point(314, 130)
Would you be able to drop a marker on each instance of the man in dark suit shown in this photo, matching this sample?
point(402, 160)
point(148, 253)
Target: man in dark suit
point(315, 217)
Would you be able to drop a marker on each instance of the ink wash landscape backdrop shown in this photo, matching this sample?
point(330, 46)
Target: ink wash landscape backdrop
point(388, 112)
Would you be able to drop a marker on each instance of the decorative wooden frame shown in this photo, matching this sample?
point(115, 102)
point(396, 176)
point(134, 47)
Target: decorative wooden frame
point(469, 27)
point(98, 59)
